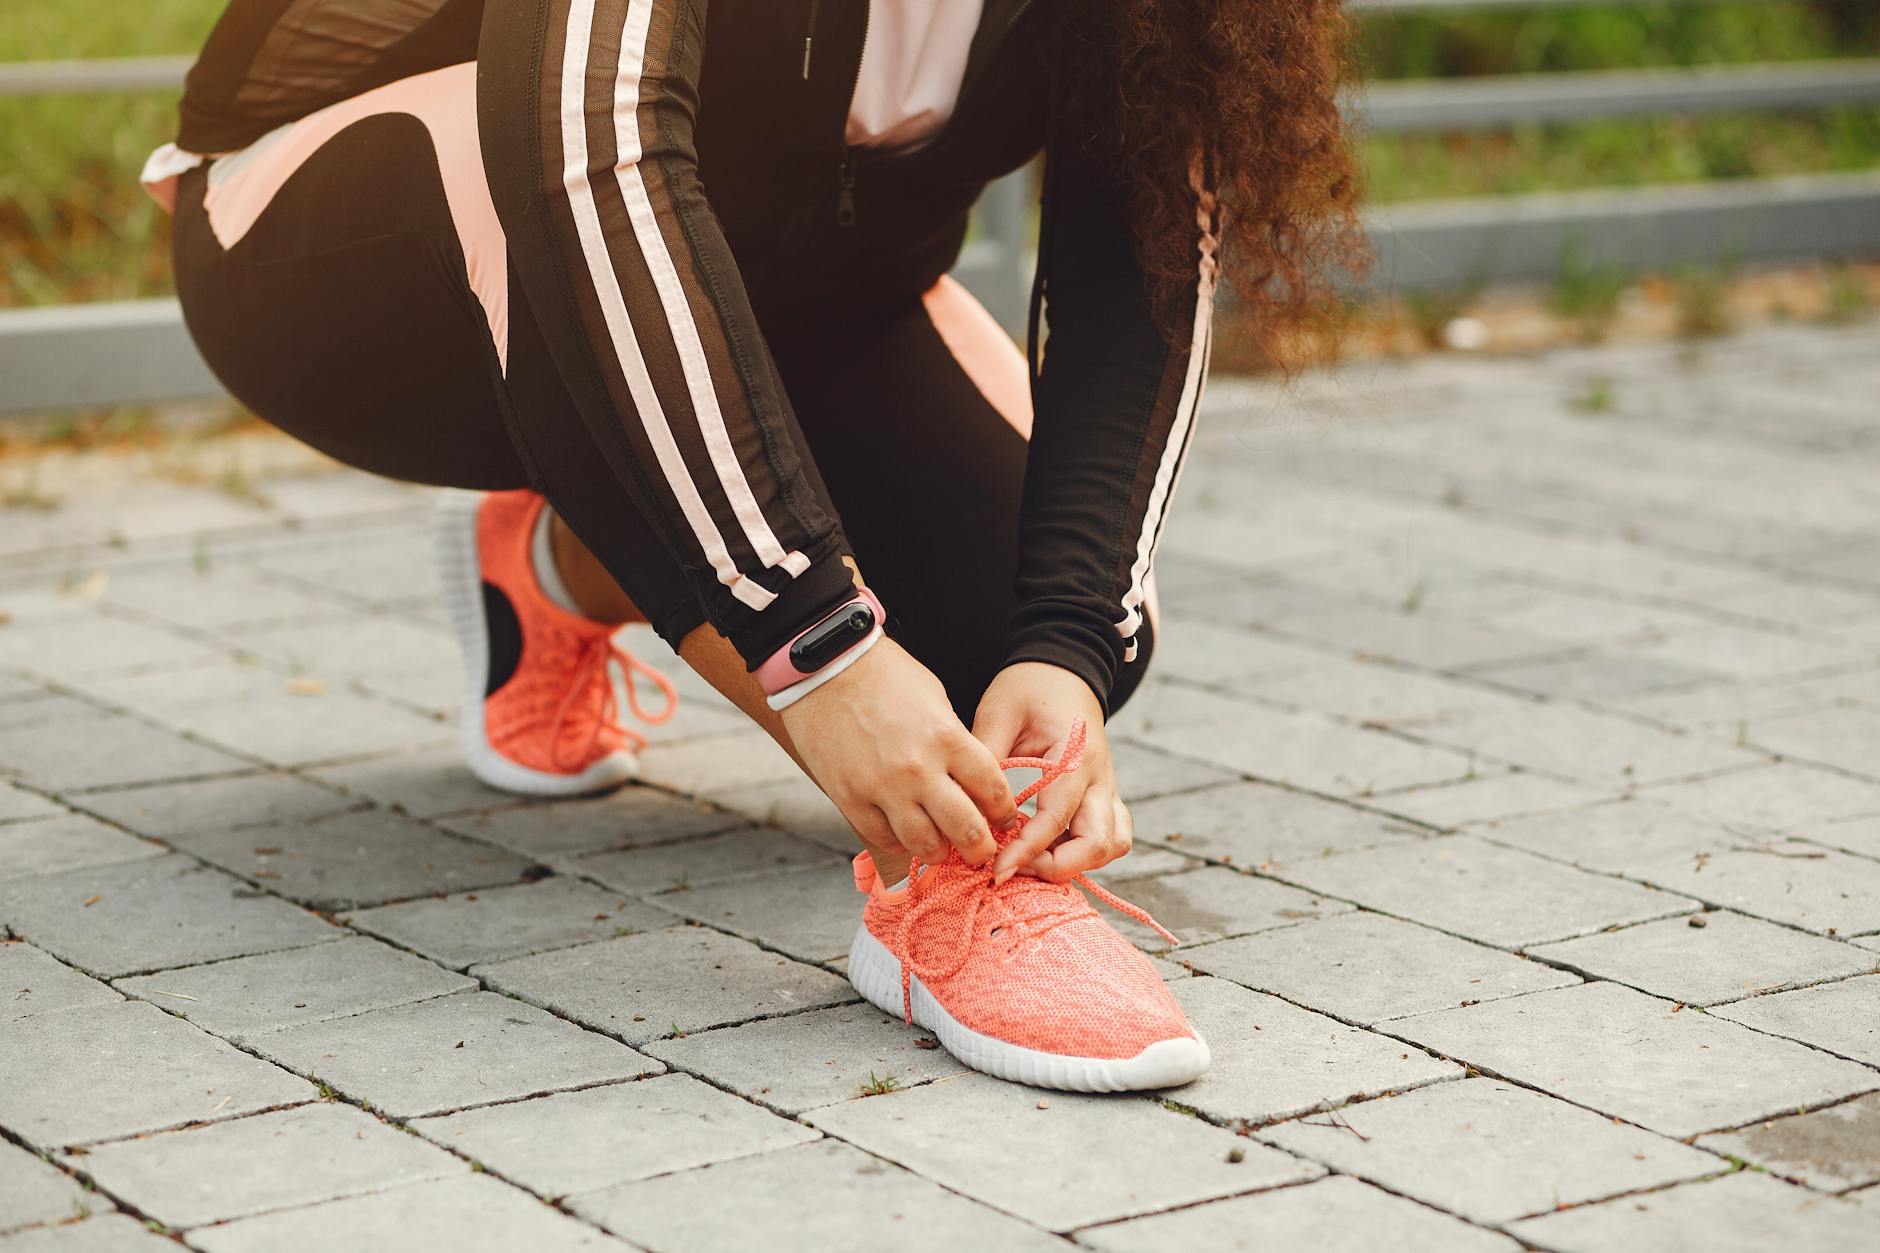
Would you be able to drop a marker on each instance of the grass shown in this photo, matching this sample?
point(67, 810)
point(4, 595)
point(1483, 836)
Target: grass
point(75, 226)
point(881, 1086)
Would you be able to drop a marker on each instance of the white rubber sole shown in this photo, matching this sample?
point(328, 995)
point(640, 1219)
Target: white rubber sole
point(876, 974)
point(454, 532)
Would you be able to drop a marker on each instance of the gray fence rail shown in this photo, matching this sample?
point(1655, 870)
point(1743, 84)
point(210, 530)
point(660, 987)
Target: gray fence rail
point(138, 351)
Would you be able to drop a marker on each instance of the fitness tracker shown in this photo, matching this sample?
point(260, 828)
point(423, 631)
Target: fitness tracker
point(823, 651)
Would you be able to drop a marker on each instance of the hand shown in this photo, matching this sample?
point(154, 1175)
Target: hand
point(883, 742)
point(1027, 712)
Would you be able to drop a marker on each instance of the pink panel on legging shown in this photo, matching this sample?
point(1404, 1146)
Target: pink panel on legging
point(997, 368)
point(983, 349)
point(445, 101)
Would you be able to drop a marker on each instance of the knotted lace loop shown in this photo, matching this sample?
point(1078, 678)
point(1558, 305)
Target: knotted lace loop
point(591, 674)
point(946, 908)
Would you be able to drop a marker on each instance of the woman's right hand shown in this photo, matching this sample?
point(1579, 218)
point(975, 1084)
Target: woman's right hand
point(881, 740)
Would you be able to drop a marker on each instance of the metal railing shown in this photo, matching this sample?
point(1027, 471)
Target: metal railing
point(138, 351)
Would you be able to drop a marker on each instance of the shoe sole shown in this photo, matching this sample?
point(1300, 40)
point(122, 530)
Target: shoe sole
point(876, 974)
point(461, 573)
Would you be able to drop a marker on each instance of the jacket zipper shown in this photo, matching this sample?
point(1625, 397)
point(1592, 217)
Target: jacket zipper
point(845, 164)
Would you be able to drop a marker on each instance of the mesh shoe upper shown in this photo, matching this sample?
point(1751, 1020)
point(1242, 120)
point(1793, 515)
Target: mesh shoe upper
point(550, 703)
point(1027, 962)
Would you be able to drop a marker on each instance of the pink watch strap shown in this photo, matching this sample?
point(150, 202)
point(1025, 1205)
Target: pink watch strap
point(778, 671)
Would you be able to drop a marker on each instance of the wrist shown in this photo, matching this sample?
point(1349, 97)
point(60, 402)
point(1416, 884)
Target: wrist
point(822, 651)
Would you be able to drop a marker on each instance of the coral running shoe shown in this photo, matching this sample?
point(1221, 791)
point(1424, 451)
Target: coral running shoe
point(539, 708)
point(1023, 981)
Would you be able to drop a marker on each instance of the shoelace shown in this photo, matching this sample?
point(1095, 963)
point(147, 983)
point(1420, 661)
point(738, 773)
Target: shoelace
point(591, 672)
point(967, 896)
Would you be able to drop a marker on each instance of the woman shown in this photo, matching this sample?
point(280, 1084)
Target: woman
point(669, 287)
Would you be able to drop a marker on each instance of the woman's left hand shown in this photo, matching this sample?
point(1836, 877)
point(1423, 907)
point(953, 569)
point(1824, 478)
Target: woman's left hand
point(1027, 712)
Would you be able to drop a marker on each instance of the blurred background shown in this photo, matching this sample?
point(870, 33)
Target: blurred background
point(1539, 173)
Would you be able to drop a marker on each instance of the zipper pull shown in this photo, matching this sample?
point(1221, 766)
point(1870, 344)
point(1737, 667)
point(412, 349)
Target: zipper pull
point(809, 36)
point(845, 195)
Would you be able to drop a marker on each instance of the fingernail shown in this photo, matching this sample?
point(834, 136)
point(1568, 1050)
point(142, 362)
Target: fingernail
point(1003, 875)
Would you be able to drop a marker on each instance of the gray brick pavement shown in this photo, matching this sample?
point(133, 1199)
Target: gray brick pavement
point(1458, 722)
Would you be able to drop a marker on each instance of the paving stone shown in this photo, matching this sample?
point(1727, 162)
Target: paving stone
point(1833, 1149)
point(1848, 737)
point(1471, 888)
point(1594, 748)
point(106, 1071)
point(641, 987)
point(1143, 773)
point(153, 914)
point(810, 914)
point(94, 749)
point(1730, 957)
point(709, 859)
point(1791, 881)
point(599, 1137)
point(271, 1161)
point(1418, 638)
point(1306, 751)
point(1861, 836)
point(70, 842)
point(1596, 675)
point(314, 727)
point(632, 817)
point(165, 810)
point(107, 1233)
point(32, 1191)
point(807, 1199)
point(1273, 1060)
point(1255, 824)
point(32, 982)
point(1366, 968)
point(252, 996)
point(1746, 1212)
point(1841, 1017)
point(467, 1214)
point(1490, 798)
point(795, 805)
point(17, 803)
point(1381, 696)
point(1491, 1152)
point(353, 859)
point(1213, 903)
point(473, 1048)
point(80, 642)
point(497, 923)
point(1087, 1159)
point(1679, 1072)
point(715, 763)
point(423, 784)
point(1787, 796)
point(1212, 653)
point(1337, 1215)
point(804, 1061)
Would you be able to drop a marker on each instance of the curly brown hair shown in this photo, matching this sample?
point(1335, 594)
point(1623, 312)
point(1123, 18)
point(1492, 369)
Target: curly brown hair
point(1254, 85)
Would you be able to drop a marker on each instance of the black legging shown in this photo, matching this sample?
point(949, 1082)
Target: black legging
point(345, 315)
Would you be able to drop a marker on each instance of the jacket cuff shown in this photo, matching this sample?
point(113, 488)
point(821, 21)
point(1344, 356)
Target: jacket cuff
point(808, 598)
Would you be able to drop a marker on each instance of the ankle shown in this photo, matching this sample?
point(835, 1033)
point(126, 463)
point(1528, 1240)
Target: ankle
point(572, 578)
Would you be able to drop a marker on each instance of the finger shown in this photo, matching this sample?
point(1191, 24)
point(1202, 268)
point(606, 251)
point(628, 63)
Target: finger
point(960, 821)
point(872, 826)
point(917, 834)
point(1056, 804)
point(977, 772)
point(1092, 842)
point(1125, 828)
point(997, 725)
